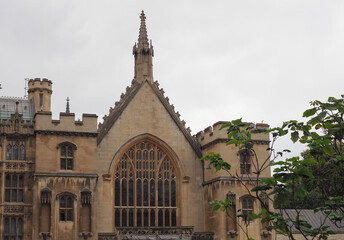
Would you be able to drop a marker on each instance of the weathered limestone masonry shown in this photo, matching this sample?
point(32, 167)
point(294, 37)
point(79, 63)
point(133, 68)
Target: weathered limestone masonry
point(135, 176)
point(219, 185)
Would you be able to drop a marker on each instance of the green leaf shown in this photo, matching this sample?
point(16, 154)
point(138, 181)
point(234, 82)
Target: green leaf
point(309, 112)
point(294, 136)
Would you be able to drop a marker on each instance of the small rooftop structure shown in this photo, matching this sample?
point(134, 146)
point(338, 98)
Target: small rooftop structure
point(8, 107)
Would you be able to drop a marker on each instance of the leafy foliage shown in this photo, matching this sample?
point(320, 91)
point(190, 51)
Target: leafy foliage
point(317, 176)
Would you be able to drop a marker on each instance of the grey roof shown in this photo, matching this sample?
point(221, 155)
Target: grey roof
point(8, 107)
point(314, 219)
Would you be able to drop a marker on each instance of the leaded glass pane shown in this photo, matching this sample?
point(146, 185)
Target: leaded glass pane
point(124, 192)
point(70, 164)
point(173, 193)
point(117, 193)
point(131, 218)
point(69, 215)
point(152, 193)
point(9, 152)
point(117, 218)
point(70, 151)
point(160, 193)
point(167, 193)
point(124, 218)
point(21, 181)
point(69, 202)
point(15, 151)
point(13, 226)
point(167, 217)
point(145, 192)
point(8, 181)
point(139, 195)
point(145, 218)
point(139, 218)
point(14, 180)
point(131, 192)
point(20, 196)
point(174, 218)
point(22, 152)
point(63, 151)
point(6, 226)
point(160, 218)
point(20, 226)
point(152, 218)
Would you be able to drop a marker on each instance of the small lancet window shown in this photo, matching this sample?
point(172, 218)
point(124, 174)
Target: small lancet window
point(245, 162)
point(66, 208)
point(67, 156)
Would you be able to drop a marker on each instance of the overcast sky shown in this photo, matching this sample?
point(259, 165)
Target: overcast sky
point(216, 60)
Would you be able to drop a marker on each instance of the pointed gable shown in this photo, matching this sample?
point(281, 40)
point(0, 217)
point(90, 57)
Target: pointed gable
point(127, 98)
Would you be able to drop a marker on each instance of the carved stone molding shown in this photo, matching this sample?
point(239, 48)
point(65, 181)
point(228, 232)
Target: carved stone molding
point(13, 209)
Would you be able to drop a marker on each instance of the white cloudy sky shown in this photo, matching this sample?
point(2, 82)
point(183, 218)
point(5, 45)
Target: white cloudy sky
point(216, 60)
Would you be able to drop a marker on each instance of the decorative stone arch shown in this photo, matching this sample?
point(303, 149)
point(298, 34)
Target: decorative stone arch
point(67, 143)
point(149, 137)
point(146, 174)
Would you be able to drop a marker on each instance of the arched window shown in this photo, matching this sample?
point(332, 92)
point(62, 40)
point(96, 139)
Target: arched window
point(13, 228)
point(66, 155)
point(231, 214)
point(14, 188)
point(245, 161)
point(15, 150)
point(145, 187)
point(66, 207)
point(247, 207)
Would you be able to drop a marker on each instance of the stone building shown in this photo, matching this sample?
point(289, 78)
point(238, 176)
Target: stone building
point(135, 175)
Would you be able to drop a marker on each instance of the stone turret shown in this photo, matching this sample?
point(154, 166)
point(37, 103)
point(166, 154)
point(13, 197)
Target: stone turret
point(40, 91)
point(143, 52)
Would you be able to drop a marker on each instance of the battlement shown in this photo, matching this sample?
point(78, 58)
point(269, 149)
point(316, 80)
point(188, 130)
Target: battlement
point(40, 84)
point(213, 133)
point(66, 123)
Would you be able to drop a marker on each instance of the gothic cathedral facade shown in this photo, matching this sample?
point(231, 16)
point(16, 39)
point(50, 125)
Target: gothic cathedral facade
point(136, 175)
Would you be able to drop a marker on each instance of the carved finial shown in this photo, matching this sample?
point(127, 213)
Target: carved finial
point(17, 104)
point(67, 105)
point(143, 38)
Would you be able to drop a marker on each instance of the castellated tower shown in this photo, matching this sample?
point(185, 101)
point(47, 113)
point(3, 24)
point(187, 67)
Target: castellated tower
point(40, 91)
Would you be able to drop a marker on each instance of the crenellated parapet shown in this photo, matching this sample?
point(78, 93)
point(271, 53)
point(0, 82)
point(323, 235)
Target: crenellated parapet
point(66, 124)
point(38, 84)
point(212, 134)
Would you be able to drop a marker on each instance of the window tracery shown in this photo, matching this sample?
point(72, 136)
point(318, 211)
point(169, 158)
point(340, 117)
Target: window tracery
point(145, 187)
point(15, 150)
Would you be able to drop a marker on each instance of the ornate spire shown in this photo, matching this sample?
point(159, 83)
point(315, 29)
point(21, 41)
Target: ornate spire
point(143, 52)
point(67, 105)
point(143, 37)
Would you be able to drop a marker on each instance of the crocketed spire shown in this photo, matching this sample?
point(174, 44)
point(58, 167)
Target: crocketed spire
point(143, 52)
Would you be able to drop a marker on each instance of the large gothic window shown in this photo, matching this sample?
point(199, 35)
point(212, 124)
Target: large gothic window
point(145, 187)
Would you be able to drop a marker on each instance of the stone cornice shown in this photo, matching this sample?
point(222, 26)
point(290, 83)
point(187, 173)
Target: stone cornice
point(67, 133)
point(225, 140)
point(66, 174)
point(228, 179)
